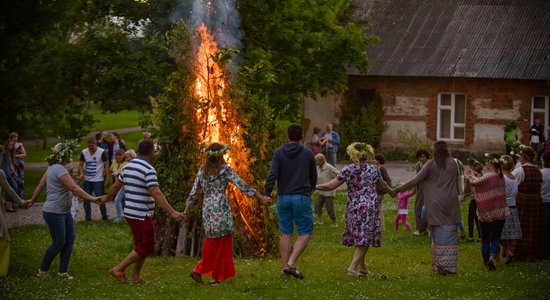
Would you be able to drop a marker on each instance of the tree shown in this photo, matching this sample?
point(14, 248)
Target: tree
point(304, 48)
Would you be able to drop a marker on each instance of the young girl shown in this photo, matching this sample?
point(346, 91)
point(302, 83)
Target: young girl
point(73, 171)
point(217, 220)
point(403, 210)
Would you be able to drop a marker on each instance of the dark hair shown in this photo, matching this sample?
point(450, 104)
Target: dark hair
point(117, 135)
point(213, 163)
point(546, 158)
point(316, 129)
point(380, 158)
point(97, 137)
point(145, 147)
point(441, 153)
point(295, 132)
point(421, 152)
point(11, 152)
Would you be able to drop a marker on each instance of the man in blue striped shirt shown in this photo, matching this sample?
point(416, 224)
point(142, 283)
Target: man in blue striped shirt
point(141, 192)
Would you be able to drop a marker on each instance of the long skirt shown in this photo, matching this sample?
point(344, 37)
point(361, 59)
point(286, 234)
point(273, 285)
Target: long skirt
point(444, 248)
point(512, 227)
point(217, 258)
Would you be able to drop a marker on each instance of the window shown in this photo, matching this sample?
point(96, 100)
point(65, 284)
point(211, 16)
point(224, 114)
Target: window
point(451, 116)
point(540, 108)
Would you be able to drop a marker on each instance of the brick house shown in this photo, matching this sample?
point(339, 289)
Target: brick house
point(452, 70)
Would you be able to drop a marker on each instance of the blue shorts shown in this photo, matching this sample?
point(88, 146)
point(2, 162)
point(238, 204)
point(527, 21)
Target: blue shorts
point(295, 210)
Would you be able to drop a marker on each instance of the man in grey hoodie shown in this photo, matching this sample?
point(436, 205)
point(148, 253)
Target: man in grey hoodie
point(293, 167)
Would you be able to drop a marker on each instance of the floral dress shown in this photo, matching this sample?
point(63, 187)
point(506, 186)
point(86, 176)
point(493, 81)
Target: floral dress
point(362, 211)
point(217, 219)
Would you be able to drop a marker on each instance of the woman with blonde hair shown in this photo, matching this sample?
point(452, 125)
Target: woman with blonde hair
point(362, 228)
point(217, 219)
point(439, 182)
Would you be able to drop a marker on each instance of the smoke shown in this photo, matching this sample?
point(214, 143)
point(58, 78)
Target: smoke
point(220, 16)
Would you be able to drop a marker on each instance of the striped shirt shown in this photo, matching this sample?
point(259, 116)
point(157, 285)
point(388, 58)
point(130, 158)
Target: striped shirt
point(138, 176)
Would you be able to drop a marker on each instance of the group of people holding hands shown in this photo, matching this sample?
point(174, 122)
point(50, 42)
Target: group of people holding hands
point(294, 171)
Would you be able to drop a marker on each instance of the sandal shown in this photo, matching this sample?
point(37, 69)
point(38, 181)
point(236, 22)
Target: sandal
point(215, 283)
point(291, 270)
point(365, 272)
point(118, 276)
point(353, 273)
point(42, 274)
point(65, 276)
point(196, 277)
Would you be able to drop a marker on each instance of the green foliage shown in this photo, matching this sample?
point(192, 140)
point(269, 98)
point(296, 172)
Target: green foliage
point(360, 122)
point(414, 143)
point(302, 48)
point(401, 267)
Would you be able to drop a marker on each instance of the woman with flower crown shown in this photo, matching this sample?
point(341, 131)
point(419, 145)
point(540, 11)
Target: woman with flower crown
point(217, 219)
point(57, 208)
point(362, 228)
point(492, 209)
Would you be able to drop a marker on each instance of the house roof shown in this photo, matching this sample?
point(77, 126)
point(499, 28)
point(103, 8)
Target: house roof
point(458, 38)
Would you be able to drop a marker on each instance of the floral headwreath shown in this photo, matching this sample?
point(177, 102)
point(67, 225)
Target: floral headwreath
point(360, 151)
point(495, 160)
point(216, 154)
point(62, 151)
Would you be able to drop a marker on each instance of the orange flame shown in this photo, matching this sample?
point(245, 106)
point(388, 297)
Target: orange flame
point(221, 123)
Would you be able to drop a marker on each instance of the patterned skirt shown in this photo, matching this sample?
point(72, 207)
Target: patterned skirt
point(512, 227)
point(444, 248)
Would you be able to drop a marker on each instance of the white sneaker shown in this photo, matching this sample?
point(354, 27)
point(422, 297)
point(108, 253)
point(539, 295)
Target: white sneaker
point(42, 274)
point(65, 276)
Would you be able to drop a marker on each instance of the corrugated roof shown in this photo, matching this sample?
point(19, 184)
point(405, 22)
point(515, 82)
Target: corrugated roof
point(458, 38)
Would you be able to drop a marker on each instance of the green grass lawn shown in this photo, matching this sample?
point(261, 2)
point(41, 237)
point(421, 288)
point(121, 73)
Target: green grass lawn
point(108, 121)
point(401, 267)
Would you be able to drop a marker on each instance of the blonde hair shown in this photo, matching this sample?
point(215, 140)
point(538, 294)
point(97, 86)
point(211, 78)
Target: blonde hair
point(507, 162)
point(360, 152)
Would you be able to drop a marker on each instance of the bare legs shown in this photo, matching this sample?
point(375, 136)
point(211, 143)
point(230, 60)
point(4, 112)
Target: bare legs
point(290, 254)
point(359, 258)
point(131, 258)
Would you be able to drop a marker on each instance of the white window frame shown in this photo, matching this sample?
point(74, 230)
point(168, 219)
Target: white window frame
point(543, 111)
point(453, 124)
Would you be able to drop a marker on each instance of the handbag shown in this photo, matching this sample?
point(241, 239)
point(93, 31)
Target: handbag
point(460, 179)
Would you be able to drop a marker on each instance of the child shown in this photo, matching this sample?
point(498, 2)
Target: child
point(73, 171)
point(477, 167)
point(402, 206)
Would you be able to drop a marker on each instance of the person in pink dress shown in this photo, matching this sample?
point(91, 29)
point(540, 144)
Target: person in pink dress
point(403, 209)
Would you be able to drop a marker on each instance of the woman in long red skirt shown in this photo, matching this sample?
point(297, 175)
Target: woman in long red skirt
point(217, 220)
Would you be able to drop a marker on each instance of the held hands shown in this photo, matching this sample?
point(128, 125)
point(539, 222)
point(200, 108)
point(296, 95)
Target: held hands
point(265, 200)
point(392, 193)
point(27, 204)
point(178, 216)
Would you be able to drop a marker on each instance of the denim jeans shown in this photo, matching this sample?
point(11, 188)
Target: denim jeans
point(119, 204)
point(99, 190)
point(61, 228)
point(490, 238)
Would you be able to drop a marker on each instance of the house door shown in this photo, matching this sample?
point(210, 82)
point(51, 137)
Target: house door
point(540, 109)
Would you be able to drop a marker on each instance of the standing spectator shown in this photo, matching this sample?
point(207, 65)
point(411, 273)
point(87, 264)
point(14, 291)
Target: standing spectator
point(94, 170)
point(421, 226)
point(142, 191)
point(545, 192)
point(476, 167)
point(8, 166)
point(379, 161)
point(315, 142)
point(512, 227)
point(325, 173)
point(533, 244)
point(57, 208)
point(492, 209)
point(329, 144)
point(211, 182)
point(103, 143)
point(20, 155)
point(537, 135)
point(439, 185)
point(293, 168)
point(362, 229)
point(116, 168)
point(116, 144)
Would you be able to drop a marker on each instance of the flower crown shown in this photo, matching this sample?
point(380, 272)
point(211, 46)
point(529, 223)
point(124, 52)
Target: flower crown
point(495, 160)
point(216, 154)
point(360, 151)
point(62, 151)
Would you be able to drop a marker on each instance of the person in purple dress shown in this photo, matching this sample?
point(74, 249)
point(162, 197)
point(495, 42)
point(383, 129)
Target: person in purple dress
point(362, 228)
